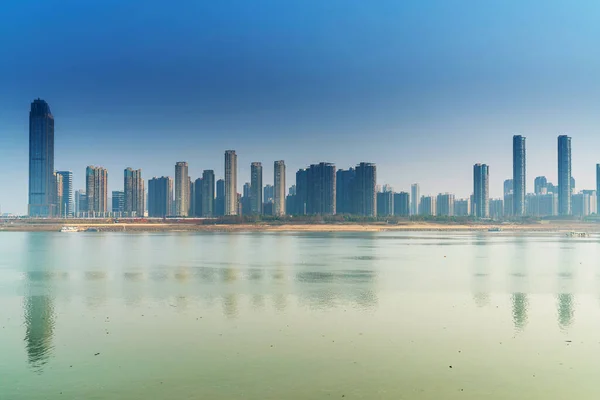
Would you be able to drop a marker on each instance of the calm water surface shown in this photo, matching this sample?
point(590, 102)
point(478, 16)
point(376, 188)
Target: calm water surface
point(299, 316)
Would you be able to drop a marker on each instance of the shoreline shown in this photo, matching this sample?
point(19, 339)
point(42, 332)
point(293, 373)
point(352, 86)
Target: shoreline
point(356, 227)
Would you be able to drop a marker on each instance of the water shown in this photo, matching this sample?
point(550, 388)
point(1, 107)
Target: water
point(298, 316)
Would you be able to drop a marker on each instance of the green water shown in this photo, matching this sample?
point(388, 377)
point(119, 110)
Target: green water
point(299, 316)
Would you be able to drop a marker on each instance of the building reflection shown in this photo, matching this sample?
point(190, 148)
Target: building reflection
point(38, 306)
point(566, 309)
point(520, 303)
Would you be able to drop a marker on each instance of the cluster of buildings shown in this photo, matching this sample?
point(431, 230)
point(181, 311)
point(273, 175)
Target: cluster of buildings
point(319, 189)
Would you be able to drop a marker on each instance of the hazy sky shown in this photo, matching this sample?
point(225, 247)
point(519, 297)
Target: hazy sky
point(425, 89)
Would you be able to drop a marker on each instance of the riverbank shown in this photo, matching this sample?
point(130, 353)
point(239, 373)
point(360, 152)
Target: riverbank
point(565, 226)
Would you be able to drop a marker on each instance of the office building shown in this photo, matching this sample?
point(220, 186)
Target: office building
point(497, 208)
point(231, 206)
point(198, 193)
point(462, 207)
point(385, 204)
point(96, 187)
point(564, 175)
point(444, 205)
point(208, 193)
point(279, 188)
point(118, 202)
point(344, 191)
point(301, 199)
point(427, 207)
point(519, 175)
point(182, 190)
point(160, 197)
point(321, 189)
point(415, 195)
point(58, 195)
point(540, 185)
point(67, 204)
point(256, 188)
point(42, 183)
point(481, 179)
point(365, 192)
point(133, 187)
point(220, 198)
point(401, 204)
point(80, 202)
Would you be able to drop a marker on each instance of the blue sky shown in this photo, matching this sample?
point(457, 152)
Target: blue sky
point(425, 88)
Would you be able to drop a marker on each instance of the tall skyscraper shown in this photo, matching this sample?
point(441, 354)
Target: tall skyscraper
point(118, 202)
point(564, 175)
point(344, 191)
point(481, 184)
point(415, 198)
point(301, 192)
point(256, 188)
point(220, 199)
point(269, 194)
point(365, 192)
point(67, 205)
point(133, 187)
point(96, 188)
point(540, 185)
point(402, 204)
point(321, 189)
point(58, 194)
point(519, 175)
point(182, 190)
point(42, 183)
point(208, 193)
point(231, 206)
point(160, 197)
point(198, 193)
point(279, 188)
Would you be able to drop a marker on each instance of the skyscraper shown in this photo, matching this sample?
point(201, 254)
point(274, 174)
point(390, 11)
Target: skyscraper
point(540, 185)
point(427, 206)
point(67, 205)
point(220, 199)
point(564, 175)
point(444, 205)
point(598, 189)
point(385, 203)
point(198, 193)
point(208, 193)
point(80, 202)
point(401, 204)
point(365, 193)
point(133, 188)
point(118, 202)
point(279, 188)
point(160, 197)
point(269, 194)
point(415, 198)
point(481, 183)
point(519, 175)
point(231, 207)
point(320, 189)
point(256, 188)
point(42, 183)
point(58, 194)
point(96, 188)
point(344, 191)
point(182, 190)
point(301, 192)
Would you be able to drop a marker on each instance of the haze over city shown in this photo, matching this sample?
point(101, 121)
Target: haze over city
point(423, 89)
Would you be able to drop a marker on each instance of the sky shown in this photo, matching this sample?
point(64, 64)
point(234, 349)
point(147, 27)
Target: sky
point(423, 88)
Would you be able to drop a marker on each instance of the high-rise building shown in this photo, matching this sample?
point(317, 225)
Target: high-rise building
point(415, 195)
point(497, 208)
point(564, 175)
point(67, 204)
point(540, 185)
point(581, 204)
point(256, 188)
point(593, 201)
point(481, 180)
point(365, 192)
point(80, 202)
point(427, 206)
point(220, 199)
point(96, 187)
point(231, 206)
point(301, 192)
point(182, 190)
point(444, 205)
point(508, 187)
point(385, 204)
point(42, 183)
point(387, 188)
point(208, 193)
point(597, 188)
point(519, 175)
point(198, 193)
point(402, 204)
point(269, 193)
point(321, 189)
point(118, 202)
point(344, 191)
point(133, 187)
point(58, 194)
point(160, 197)
point(462, 207)
point(279, 188)
point(191, 197)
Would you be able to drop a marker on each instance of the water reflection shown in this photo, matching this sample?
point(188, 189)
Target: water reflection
point(519, 310)
point(566, 310)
